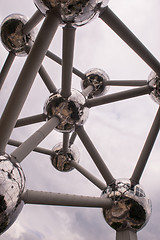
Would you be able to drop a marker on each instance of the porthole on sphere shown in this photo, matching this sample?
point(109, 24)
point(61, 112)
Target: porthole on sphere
point(76, 12)
point(70, 111)
point(154, 81)
point(12, 185)
point(98, 79)
point(131, 209)
point(62, 161)
point(12, 35)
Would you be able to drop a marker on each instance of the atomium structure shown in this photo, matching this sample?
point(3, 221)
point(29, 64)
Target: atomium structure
point(125, 206)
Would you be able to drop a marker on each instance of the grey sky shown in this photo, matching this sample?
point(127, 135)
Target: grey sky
point(118, 130)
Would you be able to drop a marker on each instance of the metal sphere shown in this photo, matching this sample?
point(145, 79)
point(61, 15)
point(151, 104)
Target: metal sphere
point(76, 12)
point(131, 209)
point(154, 81)
point(98, 79)
point(62, 161)
point(12, 35)
point(71, 111)
point(12, 184)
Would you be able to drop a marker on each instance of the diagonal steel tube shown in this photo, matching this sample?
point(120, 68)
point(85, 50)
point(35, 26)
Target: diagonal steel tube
point(59, 199)
point(6, 67)
point(59, 61)
point(95, 156)
point(30, 120)
point(67, 63)
point(126, 235)
point(146, 150)
point(118, 96)
point(33, 141)
point(127, 83)
point(37, 149)
point(127, 36)
point(65, 143)
point(72, 138)
point(32, 22)
point(47, 80)
point(87, 90)
point(26, 78)
point(88, 175)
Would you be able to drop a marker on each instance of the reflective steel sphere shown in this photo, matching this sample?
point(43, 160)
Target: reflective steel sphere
point(98, 79)
point(70, 111)
point(61, 161)
point(76, 12)
point(12, 35)
point(12, 184)
point(131, 209)
point(154, 81)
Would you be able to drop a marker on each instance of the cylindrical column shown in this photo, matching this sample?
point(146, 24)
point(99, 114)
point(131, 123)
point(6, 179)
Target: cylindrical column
point(6, 67)
point(32, 22)
point(95, 156)
point(30, 120)
point(26, 78)
point(49, 198)
point(67, 62)
point(29, 145)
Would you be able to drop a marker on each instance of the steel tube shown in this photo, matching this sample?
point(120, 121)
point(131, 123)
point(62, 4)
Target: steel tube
point(26, 78)
point(95, 156)
point(47, 80)
point(127, 83)
point(72, 139)
point(67, 63)
point(32, 22)
point(37, 149)
point(146, 150)
point(50, 198)
point(127, 36)
point(59, 61)
point(6, 67)
point(65, 143)
point(126, 235)
point(118, 96)
point(87, 90)
point(32, 142)
point(30, 120)
point(88, 175)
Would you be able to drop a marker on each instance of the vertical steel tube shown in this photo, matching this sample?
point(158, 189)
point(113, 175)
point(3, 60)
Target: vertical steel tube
point(26, 78)
point(95, 156)
point(127, 36)
point(126, 235)
point(146, 150)
point(65, 143)
point(32, 142)
point(67, 63)
point(6, 67)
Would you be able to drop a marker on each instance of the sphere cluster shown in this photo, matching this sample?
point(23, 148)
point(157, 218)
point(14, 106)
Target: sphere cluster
point(70, 111)
point(154, 81)
point(131, 209)
point(98, 79)
point(62, 161)
point(12, 35)
point(76, 12)
point(12, 185)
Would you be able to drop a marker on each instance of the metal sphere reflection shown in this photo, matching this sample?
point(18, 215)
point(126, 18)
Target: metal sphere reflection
point(12, 184)
point(70, 111)
point(98, 79)
point(131, 209)
point(76, 12)
point(154, 81)
point(12, 35)
point(62, 161)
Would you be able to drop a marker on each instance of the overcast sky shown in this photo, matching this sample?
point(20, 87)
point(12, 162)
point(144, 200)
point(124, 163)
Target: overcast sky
point(118, 130)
